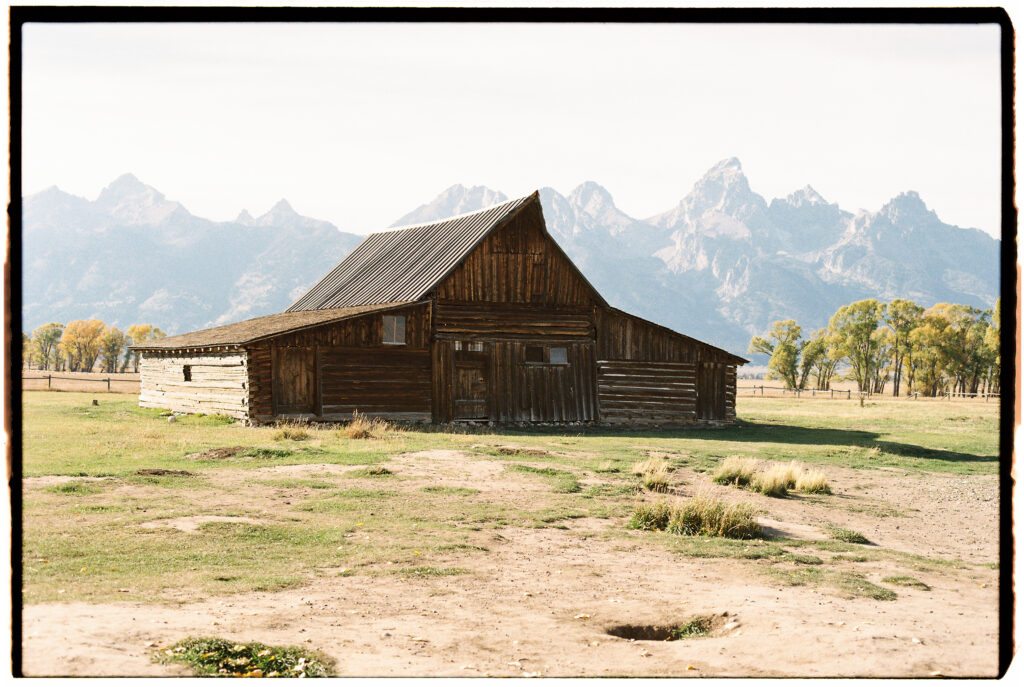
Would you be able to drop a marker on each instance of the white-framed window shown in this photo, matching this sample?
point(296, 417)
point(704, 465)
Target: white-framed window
point(394, 330)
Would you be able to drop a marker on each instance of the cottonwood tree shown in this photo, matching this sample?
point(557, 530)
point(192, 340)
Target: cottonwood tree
point(783, 344)
point(112, 344)
point(140, 333)
point(46, 340)
point(81, 343)
point(854, 326)
point(901, 316)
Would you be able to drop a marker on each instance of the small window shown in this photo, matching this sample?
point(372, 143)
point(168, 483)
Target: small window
point(475, 346)
point(534, 354)
point(394, 329)
point(458, 345)
point(558, 355)
point(186, 373)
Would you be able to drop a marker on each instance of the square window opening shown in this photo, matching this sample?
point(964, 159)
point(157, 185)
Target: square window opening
point(186, 373)
point(558, 355)
point(534, 354)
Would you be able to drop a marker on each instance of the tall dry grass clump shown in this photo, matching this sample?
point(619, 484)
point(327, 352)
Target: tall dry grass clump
point(360, 427)
point(813, 482)
point(770, 479)
point(735, 470)
point(654, 473)
point(702, 515)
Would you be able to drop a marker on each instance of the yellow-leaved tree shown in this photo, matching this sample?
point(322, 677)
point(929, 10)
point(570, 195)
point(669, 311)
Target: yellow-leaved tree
point(140, 333)
point(81, 343)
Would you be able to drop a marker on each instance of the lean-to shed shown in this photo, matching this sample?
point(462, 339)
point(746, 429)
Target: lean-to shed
point(480, 317)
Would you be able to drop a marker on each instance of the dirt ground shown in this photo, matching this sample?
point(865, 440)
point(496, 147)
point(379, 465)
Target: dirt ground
point(540, 602)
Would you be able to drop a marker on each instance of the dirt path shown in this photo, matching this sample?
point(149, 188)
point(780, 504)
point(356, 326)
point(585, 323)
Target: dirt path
point(541, 601)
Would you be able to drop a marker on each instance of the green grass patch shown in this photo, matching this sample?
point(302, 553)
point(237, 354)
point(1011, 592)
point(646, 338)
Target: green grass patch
point(907, 581)
point(697, 627)
point(78, 487)
point(429, 571)
point(267, 453)
point(213, 656)
point(562, 482)
point(290, 434)
point(845, 582)
point(844, 535)
point(451, 491)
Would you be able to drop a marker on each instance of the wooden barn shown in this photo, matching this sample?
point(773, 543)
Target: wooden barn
point(476, 318)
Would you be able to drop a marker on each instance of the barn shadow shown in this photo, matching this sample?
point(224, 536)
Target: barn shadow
point(755, 432)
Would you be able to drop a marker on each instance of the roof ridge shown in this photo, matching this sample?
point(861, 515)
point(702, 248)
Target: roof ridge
point(420, 225)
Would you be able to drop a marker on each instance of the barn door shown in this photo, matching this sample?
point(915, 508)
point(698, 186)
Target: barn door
point(710, 391)
point(294, 380)
point(469, 391)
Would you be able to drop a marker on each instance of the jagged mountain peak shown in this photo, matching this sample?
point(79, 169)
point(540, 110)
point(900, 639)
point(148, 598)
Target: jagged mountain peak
point(127, 186)
point(806, 196)
point(454, 200)
point(244, 218)
point(907, 206)
point(591, 198)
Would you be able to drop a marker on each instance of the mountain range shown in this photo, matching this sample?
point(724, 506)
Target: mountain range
point(721, 266)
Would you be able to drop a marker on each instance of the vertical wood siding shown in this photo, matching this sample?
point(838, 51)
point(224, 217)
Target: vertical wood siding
point(518, 391)
point(219, 382)
point(517, 263)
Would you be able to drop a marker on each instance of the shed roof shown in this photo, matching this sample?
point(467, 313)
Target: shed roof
point(258, 328)
point(404, 264)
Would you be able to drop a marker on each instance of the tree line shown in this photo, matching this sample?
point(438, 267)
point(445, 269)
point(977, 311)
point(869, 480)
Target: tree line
point(945, 348)
point(80, 344)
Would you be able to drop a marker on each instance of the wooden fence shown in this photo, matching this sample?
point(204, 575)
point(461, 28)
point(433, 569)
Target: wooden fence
point(62, 382)
point(846, 394)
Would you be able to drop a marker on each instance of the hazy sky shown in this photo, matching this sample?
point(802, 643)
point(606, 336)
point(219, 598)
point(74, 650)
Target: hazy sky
point(358, 124)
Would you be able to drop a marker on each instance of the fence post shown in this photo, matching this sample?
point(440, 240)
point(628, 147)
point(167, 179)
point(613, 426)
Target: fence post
point(47, 381)
point(108, 383)
point(849, 394)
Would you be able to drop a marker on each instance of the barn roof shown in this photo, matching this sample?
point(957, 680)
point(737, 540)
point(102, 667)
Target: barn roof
point(404, 264)
point(258, 328)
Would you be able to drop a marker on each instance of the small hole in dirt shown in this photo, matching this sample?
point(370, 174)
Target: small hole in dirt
point(698, 626)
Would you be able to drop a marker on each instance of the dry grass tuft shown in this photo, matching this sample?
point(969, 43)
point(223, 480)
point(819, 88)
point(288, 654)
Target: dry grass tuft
point(773, 479)
point(735, 470)
point(702, 515)
point(291, 432)
point(654, 473)
point(359, 427)
point(813, 482)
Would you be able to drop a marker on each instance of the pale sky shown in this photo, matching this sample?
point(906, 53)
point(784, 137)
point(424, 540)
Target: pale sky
point(359, 124)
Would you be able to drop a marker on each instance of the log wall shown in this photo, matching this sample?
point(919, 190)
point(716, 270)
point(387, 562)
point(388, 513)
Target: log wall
point(219, 382)
point(386, 382)
point(643, 392)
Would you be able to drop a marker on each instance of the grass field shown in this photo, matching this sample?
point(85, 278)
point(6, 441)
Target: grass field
point(120, 504)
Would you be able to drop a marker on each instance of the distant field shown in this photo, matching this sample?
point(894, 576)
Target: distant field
point(422, 551)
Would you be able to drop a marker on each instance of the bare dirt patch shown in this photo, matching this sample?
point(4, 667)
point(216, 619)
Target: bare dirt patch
point(219, 453)
point(53, 480)
point(158, 472)
point(191, 523)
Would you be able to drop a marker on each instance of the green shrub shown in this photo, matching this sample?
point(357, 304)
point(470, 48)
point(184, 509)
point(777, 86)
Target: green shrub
point(221, 657)
point(845, 535)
